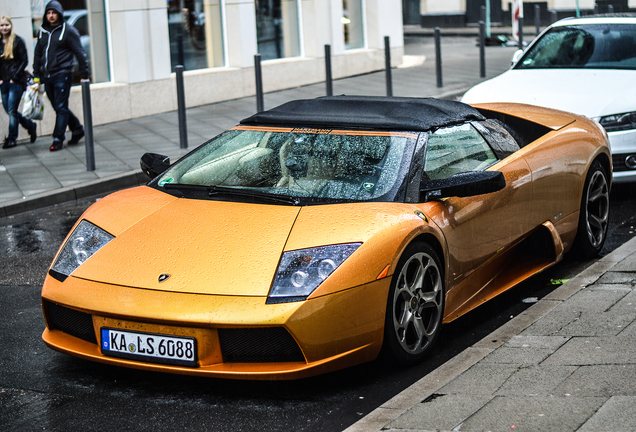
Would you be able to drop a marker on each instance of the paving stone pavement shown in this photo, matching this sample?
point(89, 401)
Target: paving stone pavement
point(566, 364)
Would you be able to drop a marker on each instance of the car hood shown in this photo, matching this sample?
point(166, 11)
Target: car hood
point(216, 247)
point(590, 92)
point(225, 248)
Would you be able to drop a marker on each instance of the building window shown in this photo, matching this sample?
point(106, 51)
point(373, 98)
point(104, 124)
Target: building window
point(353, 23)
point(89, 18)
point(277, 31)
point(196, 33)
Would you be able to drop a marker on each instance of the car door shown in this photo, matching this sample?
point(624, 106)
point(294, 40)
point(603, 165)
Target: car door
point(477, 229)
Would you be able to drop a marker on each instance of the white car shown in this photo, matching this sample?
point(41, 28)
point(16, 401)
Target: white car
point(78, 18)
point(582, 65)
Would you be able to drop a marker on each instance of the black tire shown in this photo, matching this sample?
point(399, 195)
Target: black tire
point(594, 214)
point(415, 306)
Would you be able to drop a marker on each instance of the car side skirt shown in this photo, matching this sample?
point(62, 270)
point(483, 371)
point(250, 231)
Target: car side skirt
point(509, 267)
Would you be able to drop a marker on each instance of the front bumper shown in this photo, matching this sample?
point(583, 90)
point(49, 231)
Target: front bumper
point(623, 146)
point(319, 335)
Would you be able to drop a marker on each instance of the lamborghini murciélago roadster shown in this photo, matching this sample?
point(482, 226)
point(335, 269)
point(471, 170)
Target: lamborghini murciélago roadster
point(322, 233)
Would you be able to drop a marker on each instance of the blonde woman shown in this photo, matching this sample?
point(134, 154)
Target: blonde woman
point(13, 61)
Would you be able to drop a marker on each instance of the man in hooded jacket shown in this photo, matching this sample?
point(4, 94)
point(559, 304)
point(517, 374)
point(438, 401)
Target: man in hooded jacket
point(57, 44)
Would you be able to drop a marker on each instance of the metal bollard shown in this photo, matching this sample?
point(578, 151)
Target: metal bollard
point(387, 63)
point(554, 16)
point(537, 19)
point(482, 49)
point(610, 9)
point(180, 56)
point(258, 75)
point(521, 33)
point(181, 108)
point(328, 77)
point(438, 57)
point(88, 125)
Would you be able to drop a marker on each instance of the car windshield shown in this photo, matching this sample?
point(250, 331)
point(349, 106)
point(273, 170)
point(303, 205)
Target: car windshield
point(590, 46)
point(300, 162)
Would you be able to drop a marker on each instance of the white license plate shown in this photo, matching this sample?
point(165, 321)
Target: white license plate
point(150, 347)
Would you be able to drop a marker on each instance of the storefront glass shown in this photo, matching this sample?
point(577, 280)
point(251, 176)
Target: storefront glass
point(353, 23)
point(196, 33)
point(89, 18)
point(277, 30)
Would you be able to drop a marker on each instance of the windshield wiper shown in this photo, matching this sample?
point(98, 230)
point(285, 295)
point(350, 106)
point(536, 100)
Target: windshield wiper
point(187, 187)
point(211, 191)
point(286, 199)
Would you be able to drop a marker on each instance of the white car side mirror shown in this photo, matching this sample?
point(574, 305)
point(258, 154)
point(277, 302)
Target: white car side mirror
point(516, 56)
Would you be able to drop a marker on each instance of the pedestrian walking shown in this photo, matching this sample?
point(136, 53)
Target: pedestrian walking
point(13, 77)
point(57, 44)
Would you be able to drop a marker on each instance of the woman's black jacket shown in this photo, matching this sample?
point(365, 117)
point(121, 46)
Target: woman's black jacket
point(13, 69)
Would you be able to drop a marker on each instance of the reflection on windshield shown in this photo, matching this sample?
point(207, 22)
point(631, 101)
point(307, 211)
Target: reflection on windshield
point(316, 163)
point(598, 46)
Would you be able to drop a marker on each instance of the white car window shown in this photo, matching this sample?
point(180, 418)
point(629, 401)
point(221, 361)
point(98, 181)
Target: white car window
point(594, 46)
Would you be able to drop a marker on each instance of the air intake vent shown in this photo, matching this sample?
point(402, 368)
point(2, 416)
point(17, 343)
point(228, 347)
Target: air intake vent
point(78, 324)
point(618, 160)
point(258, 345)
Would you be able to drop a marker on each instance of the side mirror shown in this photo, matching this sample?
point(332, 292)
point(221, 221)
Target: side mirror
point(516, 56)
point(154, 164)
point(463, 185)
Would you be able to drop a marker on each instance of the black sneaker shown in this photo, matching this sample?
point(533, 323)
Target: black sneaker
point(76, 137)
point(33, 132)
point(8, 143)
point(57, 145)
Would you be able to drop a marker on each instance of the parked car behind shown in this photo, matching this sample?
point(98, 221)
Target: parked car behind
point(583, 65)
point(78, 18)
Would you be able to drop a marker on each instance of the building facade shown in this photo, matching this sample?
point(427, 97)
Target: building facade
point(134, 46)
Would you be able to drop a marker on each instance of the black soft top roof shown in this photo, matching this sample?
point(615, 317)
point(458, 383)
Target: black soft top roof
point(367, 112)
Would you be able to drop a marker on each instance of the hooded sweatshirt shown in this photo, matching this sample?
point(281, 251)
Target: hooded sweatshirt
point(56, 47)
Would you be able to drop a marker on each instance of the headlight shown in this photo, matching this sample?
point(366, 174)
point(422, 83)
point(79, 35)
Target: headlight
point(300, 272)
point(619, 122)
point(80, 246)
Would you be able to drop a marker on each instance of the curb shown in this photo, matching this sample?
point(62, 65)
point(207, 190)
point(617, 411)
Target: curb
point(74, 193)
point(380, 418)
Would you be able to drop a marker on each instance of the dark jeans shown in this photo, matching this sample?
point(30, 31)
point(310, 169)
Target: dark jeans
point(11, 95)
point(58, 90)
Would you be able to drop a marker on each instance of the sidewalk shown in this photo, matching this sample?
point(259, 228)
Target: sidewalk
point(32, 177)
point(568, 363)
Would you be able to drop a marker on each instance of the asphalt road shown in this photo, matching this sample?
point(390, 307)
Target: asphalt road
point(41, 389)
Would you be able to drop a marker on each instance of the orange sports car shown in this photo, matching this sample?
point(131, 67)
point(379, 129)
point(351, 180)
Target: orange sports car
point(322, 233)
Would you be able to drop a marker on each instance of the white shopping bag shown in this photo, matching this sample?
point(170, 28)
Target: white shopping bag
point(32, 103)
